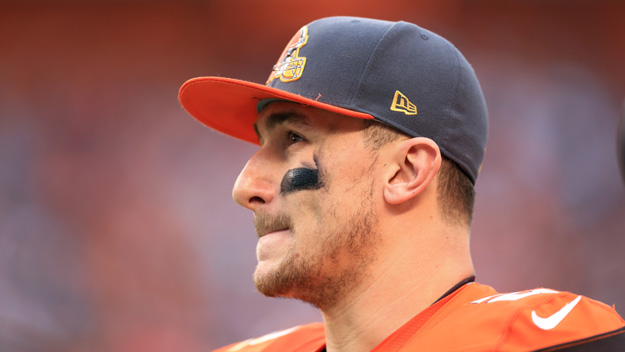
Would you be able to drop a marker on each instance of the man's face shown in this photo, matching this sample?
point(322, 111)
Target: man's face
point(311, 188)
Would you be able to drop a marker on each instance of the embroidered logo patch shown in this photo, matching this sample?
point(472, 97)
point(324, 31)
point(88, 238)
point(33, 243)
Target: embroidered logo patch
point(290, 65)
point(402, 104)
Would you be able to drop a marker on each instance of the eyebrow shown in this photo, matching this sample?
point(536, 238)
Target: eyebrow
point(282, 117)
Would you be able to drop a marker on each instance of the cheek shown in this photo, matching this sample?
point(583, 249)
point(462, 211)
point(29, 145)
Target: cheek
point(317, 209)
point(313, 218)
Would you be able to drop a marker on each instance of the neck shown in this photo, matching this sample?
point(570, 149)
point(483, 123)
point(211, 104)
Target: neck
point(402, 283)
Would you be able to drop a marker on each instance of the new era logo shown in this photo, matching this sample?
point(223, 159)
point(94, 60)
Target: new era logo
point(402, 104)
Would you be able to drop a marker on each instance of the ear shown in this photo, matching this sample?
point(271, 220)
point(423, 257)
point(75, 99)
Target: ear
point(415, 163)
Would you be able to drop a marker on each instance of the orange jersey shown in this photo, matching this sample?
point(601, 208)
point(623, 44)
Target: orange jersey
point(477, 318)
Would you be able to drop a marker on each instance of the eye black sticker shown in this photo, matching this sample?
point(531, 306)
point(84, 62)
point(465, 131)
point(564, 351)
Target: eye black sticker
point(300, 179)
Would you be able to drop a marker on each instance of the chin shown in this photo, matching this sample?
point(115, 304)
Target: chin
point(276, 279)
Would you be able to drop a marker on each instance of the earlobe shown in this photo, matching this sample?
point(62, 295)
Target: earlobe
point(416, 162)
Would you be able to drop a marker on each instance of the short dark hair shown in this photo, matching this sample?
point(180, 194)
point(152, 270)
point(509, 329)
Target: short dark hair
point(456, 194)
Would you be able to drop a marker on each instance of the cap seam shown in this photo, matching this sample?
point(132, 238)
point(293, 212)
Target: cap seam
point(453, 97)
point(444, 138)
point(360, 83)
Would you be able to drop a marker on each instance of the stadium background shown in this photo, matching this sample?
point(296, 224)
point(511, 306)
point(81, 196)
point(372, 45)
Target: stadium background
point(117, 232)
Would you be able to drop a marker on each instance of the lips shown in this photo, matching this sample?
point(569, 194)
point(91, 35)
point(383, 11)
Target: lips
point(271, 231)
point(267, 223)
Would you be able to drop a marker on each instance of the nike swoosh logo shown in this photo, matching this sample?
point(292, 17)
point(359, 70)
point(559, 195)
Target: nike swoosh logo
point(553, 320)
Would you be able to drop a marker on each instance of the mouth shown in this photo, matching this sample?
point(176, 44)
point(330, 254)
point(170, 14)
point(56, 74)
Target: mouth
point(266, 224)
point(272, 231)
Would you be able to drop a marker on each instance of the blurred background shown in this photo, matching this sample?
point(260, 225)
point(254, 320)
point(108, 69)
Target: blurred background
point(117, 228)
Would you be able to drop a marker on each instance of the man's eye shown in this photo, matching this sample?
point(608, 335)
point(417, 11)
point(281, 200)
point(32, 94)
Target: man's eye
point(294, 138)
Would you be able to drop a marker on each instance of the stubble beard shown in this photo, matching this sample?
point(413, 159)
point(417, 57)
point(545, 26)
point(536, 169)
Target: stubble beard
point(339, 263)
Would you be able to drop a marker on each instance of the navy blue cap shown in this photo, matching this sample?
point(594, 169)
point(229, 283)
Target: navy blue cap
point(394, 72)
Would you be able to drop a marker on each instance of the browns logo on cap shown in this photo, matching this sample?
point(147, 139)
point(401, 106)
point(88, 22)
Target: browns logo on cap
point(290, 65)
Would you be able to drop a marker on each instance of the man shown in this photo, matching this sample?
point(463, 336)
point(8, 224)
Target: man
point(371, 136)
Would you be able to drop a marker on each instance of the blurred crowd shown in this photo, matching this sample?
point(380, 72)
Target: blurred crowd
point(117, 229)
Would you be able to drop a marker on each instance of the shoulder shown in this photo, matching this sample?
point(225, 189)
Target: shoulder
point(528, 320)
point(548, 309)
point(309, 337)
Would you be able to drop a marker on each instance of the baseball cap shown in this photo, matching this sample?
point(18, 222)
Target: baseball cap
point(396, 73)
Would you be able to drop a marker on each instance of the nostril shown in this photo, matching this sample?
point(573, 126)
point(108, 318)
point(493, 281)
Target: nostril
point(257, 200)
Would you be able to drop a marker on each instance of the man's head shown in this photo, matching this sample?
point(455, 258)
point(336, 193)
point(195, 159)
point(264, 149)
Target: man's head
point(311, 186)
point(395, 73)
point(355, 122)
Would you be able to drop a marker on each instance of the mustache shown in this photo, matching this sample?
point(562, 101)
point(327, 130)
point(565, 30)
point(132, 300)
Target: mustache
point(266, 223)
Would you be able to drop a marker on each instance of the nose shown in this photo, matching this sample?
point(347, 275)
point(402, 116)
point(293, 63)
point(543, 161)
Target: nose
point(254, 187)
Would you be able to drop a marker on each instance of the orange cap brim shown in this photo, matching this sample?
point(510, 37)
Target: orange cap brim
point(229, 105)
